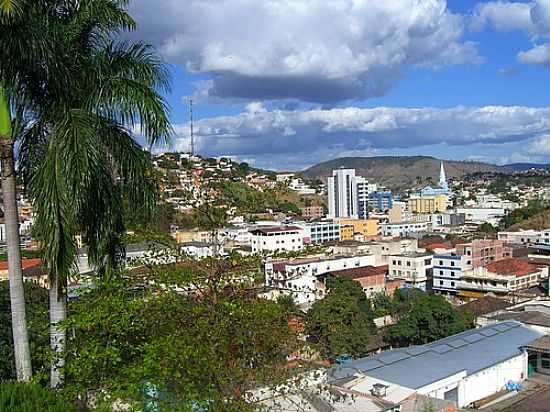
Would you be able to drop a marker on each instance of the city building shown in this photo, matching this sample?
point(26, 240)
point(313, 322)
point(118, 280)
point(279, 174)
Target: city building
point(429, 204)
point(480, 215)
point(481, 252)
point(364, 188)
point(342, 194)
point(447, 271)
point(312, 212)
point(371, 278)
point(448, 219)
point(322, 232)
point(524, 237)
point(381, 200)
point(405, 229)
point(399, 213)
point(277, 239)
point(303, 278)
point(380, 249)
point(414, 268)
point(366, 227)
point(346, 232)
point(462, 368)
point(501, 277)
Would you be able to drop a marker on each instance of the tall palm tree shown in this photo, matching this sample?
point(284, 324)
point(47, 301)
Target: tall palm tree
point(77, 151)
point(24, 44)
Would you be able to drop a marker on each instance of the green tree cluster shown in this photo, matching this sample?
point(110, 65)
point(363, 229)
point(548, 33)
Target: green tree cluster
point(519, 215)
point(424, 318)
point(209, 346)
point(342, 322)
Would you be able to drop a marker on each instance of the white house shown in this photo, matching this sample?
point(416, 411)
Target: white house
point(414, 268)
point(525, 237)
point(277, 239)
point(299, 277)
point(405, 229)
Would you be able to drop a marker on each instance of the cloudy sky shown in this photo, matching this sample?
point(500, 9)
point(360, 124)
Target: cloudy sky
point(284, 84)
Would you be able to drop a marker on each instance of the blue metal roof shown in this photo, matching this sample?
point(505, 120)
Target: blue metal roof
point(470, 351)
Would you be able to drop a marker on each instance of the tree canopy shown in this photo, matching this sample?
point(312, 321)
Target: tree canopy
point(342, 322)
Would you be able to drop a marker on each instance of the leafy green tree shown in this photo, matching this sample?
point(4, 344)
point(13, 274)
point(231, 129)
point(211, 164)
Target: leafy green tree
point(342, 322)
point(487, 228)
point(210, 345)
point(288, 304)
point(37, 318)
point(31, 397)
point(429, 318)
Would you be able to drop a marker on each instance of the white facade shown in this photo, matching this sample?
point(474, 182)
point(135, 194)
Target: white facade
point(405, 229)
point(414, 268)
point(481, 280)
point(525, 237)
point(342, 194)
point(482, 214)
point(277, 239)
point(447, 272)
point(299, 277)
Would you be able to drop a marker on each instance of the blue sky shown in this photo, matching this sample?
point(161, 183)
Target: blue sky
point(288, 83)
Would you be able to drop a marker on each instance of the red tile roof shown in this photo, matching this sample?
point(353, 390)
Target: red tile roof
point(361, 272)
point(25, 263)
point(511, 267)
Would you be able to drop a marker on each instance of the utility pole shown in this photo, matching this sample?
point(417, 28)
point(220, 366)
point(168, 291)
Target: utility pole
point(191, 126)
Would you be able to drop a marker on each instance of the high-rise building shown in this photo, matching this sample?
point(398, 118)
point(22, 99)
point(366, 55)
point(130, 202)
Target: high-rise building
point(342, 194)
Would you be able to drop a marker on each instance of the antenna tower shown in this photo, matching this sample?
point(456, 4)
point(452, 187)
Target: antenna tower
point(191, 125)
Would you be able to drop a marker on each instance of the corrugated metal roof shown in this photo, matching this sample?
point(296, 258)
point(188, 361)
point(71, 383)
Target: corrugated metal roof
point(469, 351)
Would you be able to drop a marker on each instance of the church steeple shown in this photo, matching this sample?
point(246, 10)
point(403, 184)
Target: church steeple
point(442, 178)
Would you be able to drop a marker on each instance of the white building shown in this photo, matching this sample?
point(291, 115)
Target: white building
point(322, 232)
point(447, 272)
point(481, 215)
point(405, 229)
point(342, 194)
point(463, 368)
point(277, 239)
point(414, 268)
point(525, 237)
point(300, 277)
point(198, 250)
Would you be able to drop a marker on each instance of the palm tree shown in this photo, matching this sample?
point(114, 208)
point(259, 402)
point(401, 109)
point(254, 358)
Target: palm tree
point(24, 42)
point(77, 152)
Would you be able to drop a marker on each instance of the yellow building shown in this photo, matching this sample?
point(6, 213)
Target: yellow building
point(346, 232)
point(428, 204)
point(192, 236)
point(368, 227)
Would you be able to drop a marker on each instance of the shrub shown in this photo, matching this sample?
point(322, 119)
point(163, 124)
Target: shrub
point(19, 397)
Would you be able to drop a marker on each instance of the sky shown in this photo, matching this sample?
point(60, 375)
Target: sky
point(285, 84)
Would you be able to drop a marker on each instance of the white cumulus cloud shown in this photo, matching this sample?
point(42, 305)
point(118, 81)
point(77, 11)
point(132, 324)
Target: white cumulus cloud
point(306, 137)
point(531, 17)
point(310, 50)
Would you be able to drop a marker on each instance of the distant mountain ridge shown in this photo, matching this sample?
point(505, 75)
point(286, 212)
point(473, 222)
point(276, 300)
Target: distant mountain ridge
point(520, 167)
point(401, 171)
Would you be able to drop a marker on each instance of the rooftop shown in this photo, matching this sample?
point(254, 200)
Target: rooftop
point(484, 305)
point(512, 267)
point(470, 351)
point(360, 272)
point(276, 229)
point(529, 317)
point(25, 264)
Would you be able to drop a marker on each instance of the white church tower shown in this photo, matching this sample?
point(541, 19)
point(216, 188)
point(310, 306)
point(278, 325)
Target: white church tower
point(443, 178)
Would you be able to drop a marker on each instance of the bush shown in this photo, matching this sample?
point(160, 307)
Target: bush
point(19, 397)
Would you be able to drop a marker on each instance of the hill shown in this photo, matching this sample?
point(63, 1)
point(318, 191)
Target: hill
point(400, 171)
point(521, 167)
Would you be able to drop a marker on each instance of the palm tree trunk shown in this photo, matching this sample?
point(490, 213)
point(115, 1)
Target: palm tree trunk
point(58, 313)
point(11, 217)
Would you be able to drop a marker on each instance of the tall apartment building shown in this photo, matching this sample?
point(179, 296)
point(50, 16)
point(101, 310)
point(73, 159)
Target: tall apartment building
point(342, 194)
point(481, 252)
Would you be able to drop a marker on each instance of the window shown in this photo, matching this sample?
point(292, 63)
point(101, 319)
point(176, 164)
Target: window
point(452, 263)
point(441, 282)
point(441, 272)
point(452, 284)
